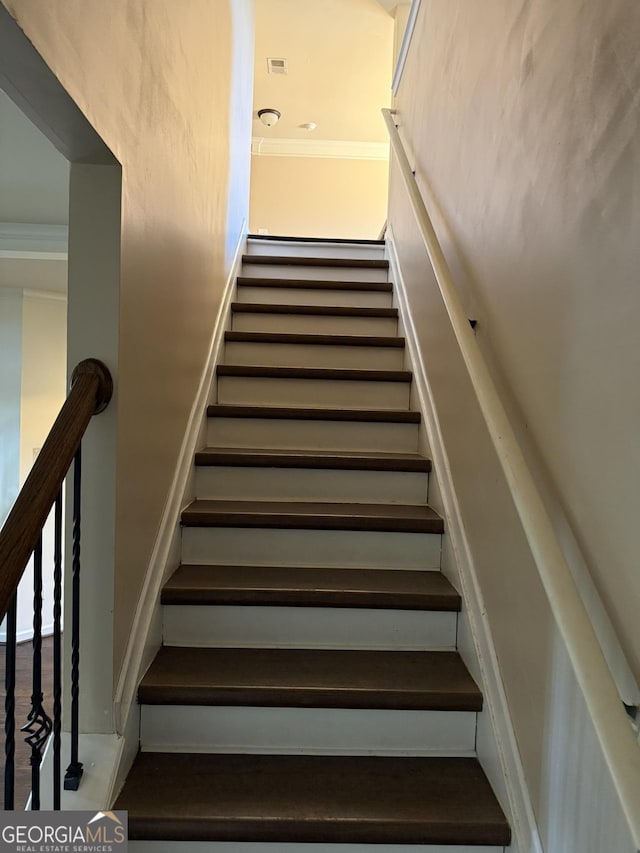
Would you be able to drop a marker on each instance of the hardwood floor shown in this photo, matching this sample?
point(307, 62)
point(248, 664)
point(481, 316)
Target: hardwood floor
point(23, 706)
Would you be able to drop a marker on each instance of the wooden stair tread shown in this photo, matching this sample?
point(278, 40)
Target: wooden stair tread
point(229, 410)
point(284, 239)
point(310, 678)
point(310, 587)
point(343, 460)
point(316, 340)
point(302, 515)
point(315, 284)
point(318, 310)
point(295, 798)
point(293, 261)
point(332, 373)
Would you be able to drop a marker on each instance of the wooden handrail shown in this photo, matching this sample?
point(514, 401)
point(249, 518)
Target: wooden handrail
point(592, 672)
point(91, 390)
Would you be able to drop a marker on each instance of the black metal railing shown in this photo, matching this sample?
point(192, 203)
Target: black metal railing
point(21, 539)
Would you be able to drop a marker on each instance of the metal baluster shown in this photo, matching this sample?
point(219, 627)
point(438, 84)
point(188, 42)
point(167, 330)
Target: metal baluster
point(74, 770)
point(38, 724)
point(57, 651)
point(10, 708)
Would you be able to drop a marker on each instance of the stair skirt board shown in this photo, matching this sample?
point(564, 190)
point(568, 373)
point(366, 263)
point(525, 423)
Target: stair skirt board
point(312, 296)
point(316, 273)
point(311, 324)
point(266, 847)
point(316, 355)
point(266, 483)
point(307, 627)
point(327, 393)
point(312, 434)
point(306, 731)
point(317, 548)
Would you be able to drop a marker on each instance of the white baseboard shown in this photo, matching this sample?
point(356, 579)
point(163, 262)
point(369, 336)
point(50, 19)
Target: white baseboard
point(519, 810)
point(142, 642)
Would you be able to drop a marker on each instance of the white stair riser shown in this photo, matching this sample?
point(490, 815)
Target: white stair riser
point(319, 273)
point(307, 627)
point(310, 355)
point(300, 296)
point(323, 393)
point(311, 484)
point(267, 847)
point(312, 249)
point(310, 324)
point(278, 434)
point(241, 546)
point(306, 731)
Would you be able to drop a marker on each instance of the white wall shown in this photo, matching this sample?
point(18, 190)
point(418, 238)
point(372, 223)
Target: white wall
point(522, 119)
point(10, 379)
point(240, 121)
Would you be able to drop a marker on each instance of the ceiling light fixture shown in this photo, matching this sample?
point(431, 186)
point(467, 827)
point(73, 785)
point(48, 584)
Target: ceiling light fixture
point(309, 125)
point(269, 116)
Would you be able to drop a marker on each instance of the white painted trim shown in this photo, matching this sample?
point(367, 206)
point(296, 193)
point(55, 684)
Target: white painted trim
point(100, 757)
point(404, 47)
point(522, 818)
point(26, 241)
point(342, 149)
point(148, 603)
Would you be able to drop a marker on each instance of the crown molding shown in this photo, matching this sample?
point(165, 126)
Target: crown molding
point(341, 149)
point(26, 241)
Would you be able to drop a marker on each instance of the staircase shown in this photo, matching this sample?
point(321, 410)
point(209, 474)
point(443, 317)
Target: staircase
point(308, 690)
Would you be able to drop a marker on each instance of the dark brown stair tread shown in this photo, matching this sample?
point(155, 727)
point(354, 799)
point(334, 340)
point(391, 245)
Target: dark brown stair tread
point(344, 460)
point(302, 515)
point(284, 238)
point(321, 340)
point(324, 310)
point(228, 410)
point(300, 798)
point(293, 261)
point(310, 678)
point(331, 373)
point(310, 587)
point(314, 284)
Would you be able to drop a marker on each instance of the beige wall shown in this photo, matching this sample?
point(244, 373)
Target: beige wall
point(318, 196)
point(154, 79)
point(523, 118)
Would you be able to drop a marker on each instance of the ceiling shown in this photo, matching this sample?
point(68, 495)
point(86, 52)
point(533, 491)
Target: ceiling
point(339, 67)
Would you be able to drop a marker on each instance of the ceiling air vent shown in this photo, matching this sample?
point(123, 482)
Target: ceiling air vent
point(276, 66)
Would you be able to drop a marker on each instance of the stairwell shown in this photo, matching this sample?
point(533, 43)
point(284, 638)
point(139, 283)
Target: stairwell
point(309, 690)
